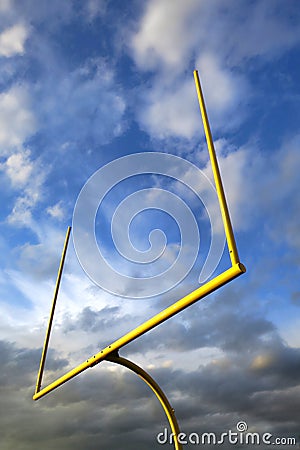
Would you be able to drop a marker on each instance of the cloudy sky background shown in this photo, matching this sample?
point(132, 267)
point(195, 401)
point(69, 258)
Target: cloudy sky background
point(84, 83)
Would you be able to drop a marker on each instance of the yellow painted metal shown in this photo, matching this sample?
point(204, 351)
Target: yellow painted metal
point(170, 413)
point(217, 177)
point(233, 272)
point(48, 332)
point(178, 306)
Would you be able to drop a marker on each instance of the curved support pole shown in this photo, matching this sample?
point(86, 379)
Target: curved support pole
point(115, 358)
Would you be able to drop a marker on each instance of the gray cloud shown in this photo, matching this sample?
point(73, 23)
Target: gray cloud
point(93, 321)
point(86, 413)
point(206, 324)
point(18, 364)
point(257, 383)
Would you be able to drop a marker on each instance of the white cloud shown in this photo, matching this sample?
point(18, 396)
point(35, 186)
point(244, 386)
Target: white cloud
point(18, 168)
point(27, 177)
point(257, 187)
point(12, 40)
point(169, 108)
point(240, 168)
point(163, 36)
point(170, 32)
point(56, 211)
point(170, 111)
point(35, 279)
point(21, 214)
point(172, 37)
point(17, 121)
point(238, 179)
point(168, 39)
point(223, 88)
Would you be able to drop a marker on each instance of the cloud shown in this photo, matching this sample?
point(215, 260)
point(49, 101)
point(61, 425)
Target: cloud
point(18, 168)
point(19, 364)
point(27, 177)
point(163, 36)
point(12, 40)
point(170, 33)
point(225, 92)
point(21, 214)
point(91, 116)
point(266, 397)
point(234, 166)
point(206, 325)
point(172, 38)
point(254, 359)
point(17, 121)
point(169, 108)
point(169, 111)
point(56, 211)
point(93, 106)
point(279, 360)
point(5, 5)
point(257, 187)
point(39, 261)
point(75, 414)
point(94, 321)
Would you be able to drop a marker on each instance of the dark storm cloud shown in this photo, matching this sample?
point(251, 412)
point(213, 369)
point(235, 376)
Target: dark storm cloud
point(91, 320)
point(258, 385)
point(225, 321)
point(18, 364)
point(227, 390)
point(106, 325)
point(254, 379)
point(85, 413)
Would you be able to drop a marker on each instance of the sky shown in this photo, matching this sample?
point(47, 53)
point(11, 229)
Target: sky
point(100, 129)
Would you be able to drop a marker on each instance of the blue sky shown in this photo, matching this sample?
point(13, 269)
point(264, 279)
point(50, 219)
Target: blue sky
point(83, 84)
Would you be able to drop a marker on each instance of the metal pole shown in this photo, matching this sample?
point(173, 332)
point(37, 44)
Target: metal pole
point(48, 332)
point(170, 413)
point(233, 253)
point(178, 306)
point(222, 279)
